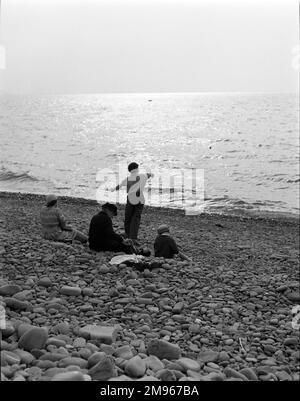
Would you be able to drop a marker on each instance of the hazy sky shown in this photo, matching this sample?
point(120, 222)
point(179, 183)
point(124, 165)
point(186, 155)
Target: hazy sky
point(81, 46)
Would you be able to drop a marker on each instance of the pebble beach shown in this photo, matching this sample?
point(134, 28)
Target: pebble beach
point(229, 315)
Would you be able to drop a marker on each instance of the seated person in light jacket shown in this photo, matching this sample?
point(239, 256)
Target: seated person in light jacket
point(54, 225)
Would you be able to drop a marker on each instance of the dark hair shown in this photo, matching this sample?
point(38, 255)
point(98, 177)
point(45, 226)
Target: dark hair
point(52, 203)
point(132, 166)
point(111, 207)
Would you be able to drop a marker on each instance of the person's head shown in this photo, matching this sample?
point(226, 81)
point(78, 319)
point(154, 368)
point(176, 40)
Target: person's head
point(51, 200)
point(133, 167)
point(163, 228)
point(110, 209)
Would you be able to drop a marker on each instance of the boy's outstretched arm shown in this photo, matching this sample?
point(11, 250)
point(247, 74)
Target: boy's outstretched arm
point(122, 184)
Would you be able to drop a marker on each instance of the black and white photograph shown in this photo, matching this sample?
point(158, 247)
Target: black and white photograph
point(149, 194)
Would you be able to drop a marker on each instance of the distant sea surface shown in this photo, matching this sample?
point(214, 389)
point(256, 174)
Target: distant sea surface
point(246, 144)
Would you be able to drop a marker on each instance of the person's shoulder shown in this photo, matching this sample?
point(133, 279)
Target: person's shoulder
point(94, 217)
point(173, 244)
point(161, 238)
point(142, 177)
point(171, 239)
point(99, 215)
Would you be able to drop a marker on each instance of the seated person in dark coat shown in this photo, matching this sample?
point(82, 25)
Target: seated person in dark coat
point(102, 236)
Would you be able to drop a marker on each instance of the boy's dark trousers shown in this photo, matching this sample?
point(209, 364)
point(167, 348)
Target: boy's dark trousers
point(133, 215)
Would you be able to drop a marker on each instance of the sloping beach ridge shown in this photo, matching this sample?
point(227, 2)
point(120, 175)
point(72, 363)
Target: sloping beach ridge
point(228, 315)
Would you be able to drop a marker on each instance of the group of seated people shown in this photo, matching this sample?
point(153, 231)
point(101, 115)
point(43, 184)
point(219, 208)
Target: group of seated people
point(102, 236)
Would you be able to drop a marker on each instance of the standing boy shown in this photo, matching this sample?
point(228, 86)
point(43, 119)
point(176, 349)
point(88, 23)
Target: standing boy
point(135, 184)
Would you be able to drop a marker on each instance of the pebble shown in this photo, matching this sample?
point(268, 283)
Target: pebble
point(291, 341)
point(283, 376)
point(178, 307)
point(8, 331)
point(249, 373)
point(108, 349)
point(103, 334)
point(79, 342)
point(122, 378)
point(73, 361)
point(45, 364)
point(95, 358)
point(68, 376)
point(166, 375)
point(213, 365)
point(26, 357)
point(62, 328)
point(208, 356)
point(223, 356)
point(135, 367)
point(153, 363)
point(22, 328)
point(103, 269)
point(45, 282)
point(9, 358)
point(270, 349)
point(34, 338)
point(52, 356)
point(189, 364)
point(9, 289)
point(232, 373)
point(124, 352)
point(148, 379)
point(87, 292)
point(16, 304)
point(103, 370)
point(70, 291)
point(164, 349)
point(293, 296)
point(213, 377)
point(56, 341)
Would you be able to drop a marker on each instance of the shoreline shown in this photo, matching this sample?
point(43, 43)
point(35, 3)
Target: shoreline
point(255, 215)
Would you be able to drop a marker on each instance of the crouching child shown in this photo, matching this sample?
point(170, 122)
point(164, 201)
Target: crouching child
point(165, 245)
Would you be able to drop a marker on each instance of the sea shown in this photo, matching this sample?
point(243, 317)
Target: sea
point(228, 153)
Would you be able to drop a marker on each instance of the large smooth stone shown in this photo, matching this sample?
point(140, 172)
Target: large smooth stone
point(164, 350)
point(135, 367)
point(34, 338)
point(103, 334)
point(208, 356)
point(189, 364)
point(103, 370)
point(68, 376)
point(70, 291)
point(9, 289)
